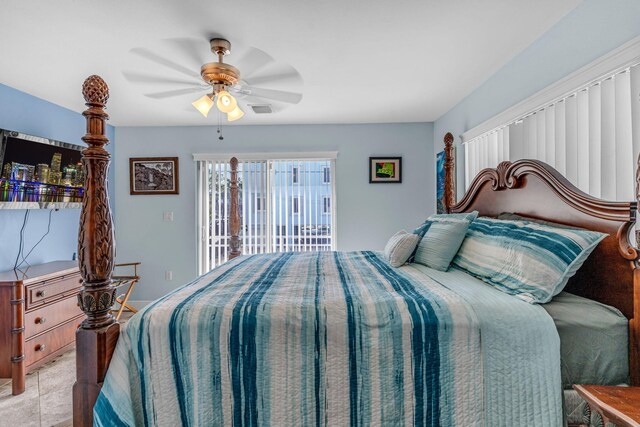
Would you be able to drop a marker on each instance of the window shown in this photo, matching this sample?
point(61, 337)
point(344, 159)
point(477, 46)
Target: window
point(590, 134)
point(326, 205)
point(326, 175)
point(284, 206)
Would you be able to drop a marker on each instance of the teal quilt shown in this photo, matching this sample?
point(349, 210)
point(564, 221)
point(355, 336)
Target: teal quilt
point(334, 339)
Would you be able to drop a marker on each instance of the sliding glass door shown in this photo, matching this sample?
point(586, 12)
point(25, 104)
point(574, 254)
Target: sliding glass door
point(285, 205)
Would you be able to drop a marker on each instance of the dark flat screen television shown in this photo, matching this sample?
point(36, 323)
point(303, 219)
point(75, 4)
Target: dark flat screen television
point(39, 173)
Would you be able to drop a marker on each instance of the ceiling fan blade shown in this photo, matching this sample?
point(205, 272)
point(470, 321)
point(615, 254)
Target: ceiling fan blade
point(290, 75)
point(153, 57)
point(275, 95)
point(194, 49)
point(172, 93)
point(252, 60)
point(150, 79)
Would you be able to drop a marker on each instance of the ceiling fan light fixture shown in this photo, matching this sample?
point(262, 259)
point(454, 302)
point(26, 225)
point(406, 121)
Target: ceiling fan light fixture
point(203, 104)
point(225, 102)
point(234, 115)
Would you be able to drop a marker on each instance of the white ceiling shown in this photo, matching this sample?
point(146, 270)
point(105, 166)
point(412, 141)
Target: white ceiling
point(361, 61)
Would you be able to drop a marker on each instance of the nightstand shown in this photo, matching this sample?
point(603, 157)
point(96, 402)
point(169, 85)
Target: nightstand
point(617, 405)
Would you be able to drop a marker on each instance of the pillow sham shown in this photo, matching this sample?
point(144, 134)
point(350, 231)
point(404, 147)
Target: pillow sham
point(442, 236)
point(400, 247)
point(515, 217)
point(529, 260)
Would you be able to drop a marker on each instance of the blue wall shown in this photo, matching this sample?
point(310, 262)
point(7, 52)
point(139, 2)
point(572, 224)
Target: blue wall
point(25, 113)
point(367, 214)
point(591, 30)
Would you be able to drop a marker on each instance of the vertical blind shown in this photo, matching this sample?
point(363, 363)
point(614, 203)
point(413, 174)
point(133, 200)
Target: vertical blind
point(591, 136)
point(285, 205)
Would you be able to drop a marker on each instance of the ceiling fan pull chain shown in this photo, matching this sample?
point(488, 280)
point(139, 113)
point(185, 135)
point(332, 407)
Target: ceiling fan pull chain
point(220, 137)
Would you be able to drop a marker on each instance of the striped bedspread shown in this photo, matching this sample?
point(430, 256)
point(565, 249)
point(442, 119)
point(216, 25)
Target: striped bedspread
point(334, 339)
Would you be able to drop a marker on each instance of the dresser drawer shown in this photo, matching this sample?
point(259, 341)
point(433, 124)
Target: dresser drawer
point(50, 290)
point(43, 345)
point(51, 315)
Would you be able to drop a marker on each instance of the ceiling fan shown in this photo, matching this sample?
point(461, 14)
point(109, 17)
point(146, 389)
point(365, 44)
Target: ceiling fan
point(228, 87)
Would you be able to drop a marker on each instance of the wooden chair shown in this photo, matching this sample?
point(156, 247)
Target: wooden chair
point(128, 282)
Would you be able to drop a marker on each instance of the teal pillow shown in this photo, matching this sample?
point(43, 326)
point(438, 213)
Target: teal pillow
point(529, 260)
point(442, 236)
point(515, 217)
point(422, 229)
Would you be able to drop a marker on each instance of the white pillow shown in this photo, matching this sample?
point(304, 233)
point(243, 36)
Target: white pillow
point(400, 247)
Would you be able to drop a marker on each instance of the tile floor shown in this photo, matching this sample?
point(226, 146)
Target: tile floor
point(46, 401)
point(47, 398)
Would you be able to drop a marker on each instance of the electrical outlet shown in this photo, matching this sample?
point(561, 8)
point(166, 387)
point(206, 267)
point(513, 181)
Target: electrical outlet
point(168, 275)
point(167, 216)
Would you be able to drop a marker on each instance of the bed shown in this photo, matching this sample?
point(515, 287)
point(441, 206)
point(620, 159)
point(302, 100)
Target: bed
point(318, 339)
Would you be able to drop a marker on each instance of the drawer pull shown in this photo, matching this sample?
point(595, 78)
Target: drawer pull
point(80, 280)
point(41, 293)
point(41, 320)
point(40, 347)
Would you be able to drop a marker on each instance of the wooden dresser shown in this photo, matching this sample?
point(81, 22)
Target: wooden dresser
point(39, 315)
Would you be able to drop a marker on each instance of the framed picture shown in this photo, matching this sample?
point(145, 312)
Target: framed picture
point(385, 170)
point(153, 175)
point(440, 205)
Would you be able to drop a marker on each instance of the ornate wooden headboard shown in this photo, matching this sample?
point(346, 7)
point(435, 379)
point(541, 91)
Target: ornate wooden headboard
point(534, 189)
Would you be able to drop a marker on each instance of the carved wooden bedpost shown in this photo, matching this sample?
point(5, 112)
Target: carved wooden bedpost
point(449, 181)
point(634, 324)
point(234, 212)
point(97, 336)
